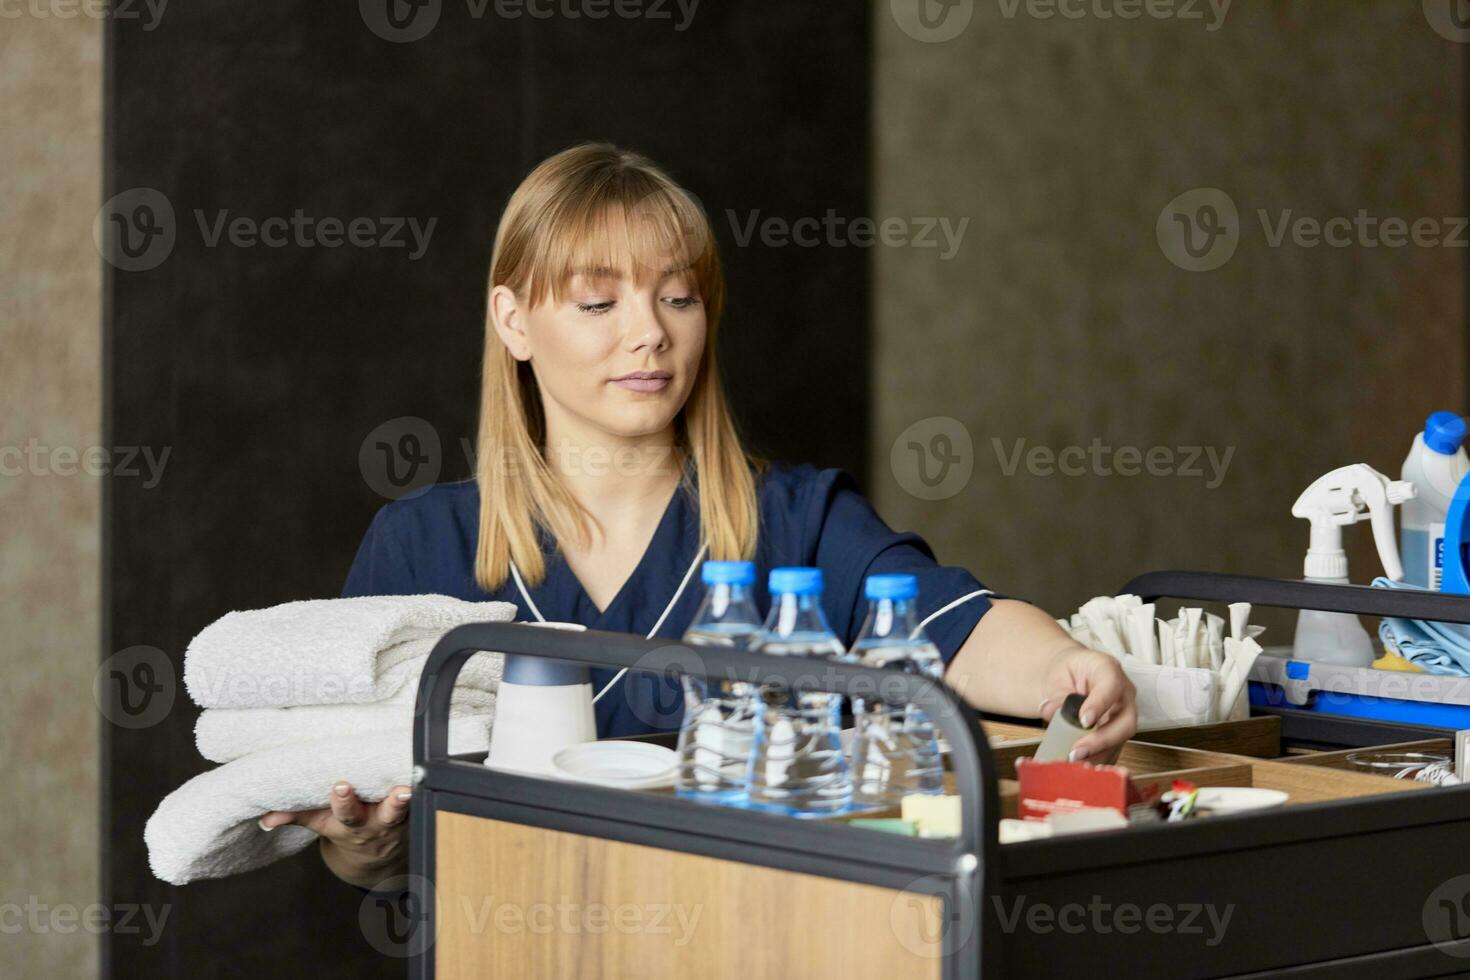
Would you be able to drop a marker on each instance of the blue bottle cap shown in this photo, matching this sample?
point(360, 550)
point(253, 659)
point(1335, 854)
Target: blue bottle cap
point(891, 587)
point(801, 581)
point(1444, 433)
point(728, 573)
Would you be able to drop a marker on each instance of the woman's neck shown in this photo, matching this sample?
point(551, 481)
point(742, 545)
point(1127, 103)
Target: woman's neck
point(613, 476)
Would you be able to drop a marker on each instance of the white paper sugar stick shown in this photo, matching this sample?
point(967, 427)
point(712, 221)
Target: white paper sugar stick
point(1181, 640)
point(1110, 638)
point(1215, 637)
point(1166, 643)
point(1221, 707)
point(1240, 614)
point(1141, 622)
point(1098, 607)
point(1240, 657)
point(1194, 644)
point(1099, 615)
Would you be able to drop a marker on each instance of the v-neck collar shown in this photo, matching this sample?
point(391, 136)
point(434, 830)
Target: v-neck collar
point(659, 533)
point(648, 588)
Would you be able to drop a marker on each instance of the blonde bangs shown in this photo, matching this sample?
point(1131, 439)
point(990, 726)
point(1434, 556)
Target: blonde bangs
point(596, 208)
point(632, 227)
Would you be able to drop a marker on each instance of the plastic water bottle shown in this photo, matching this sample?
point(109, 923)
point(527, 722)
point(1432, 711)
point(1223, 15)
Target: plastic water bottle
point(796, 763)
point(1436, 464)
point(895, 751)
point(719, 715)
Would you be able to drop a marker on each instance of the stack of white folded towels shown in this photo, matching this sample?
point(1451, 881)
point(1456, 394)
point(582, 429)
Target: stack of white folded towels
point(298, 697)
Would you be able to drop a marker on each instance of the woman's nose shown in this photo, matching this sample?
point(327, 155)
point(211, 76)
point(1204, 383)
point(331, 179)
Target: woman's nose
point(647, 330)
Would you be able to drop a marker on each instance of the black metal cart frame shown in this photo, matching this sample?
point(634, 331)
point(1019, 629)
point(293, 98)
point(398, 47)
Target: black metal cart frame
point(971, 873)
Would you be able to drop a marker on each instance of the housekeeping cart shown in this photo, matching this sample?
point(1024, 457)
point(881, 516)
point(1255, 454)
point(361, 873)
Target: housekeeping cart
point(1358, 876)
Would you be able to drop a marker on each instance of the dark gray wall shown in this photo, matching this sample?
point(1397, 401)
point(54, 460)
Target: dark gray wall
point(261, 370)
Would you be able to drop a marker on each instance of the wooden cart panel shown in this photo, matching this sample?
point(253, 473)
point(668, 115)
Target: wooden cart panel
point(527, 902)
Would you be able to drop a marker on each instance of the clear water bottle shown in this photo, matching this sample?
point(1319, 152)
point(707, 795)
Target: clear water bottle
point(895, 751)
point(719, 715)
point(796, 763)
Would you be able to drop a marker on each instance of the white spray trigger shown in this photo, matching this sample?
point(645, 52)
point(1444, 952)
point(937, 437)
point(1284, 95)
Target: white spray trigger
point(1345, 496)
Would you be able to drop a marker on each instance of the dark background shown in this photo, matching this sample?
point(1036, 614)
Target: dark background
point(265, 368)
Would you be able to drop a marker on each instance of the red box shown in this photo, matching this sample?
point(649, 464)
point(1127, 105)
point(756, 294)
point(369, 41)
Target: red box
point(1052, 787)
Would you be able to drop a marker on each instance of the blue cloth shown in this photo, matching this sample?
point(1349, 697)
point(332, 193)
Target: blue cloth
point(1435, 648)
point(426, 544)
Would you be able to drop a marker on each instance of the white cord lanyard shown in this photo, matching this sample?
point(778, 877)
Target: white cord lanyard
point(521, 585)
point(947, 607)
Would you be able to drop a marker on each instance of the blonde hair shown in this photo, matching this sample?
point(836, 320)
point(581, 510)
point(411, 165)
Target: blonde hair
point(559, 220)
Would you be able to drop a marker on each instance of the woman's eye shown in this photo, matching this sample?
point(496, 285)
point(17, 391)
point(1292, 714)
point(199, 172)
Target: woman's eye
point(595, 308)
point(681, 302)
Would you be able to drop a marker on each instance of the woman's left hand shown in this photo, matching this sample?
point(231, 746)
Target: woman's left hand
point(1109, 705)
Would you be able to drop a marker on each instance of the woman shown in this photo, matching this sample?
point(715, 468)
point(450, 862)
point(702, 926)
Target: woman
point(608, 468)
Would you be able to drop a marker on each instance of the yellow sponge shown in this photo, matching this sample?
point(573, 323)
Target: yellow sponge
point(1392, 660)
point(935, 815)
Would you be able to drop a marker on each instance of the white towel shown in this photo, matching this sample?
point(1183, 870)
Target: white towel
point(226, 734)
point(322, 651)
point(208, 828)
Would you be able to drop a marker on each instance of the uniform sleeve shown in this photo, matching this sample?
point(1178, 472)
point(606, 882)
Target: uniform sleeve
point(381, 566)
point(853, 542)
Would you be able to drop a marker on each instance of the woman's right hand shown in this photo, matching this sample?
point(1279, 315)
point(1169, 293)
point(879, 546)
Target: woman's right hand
point(362, 843)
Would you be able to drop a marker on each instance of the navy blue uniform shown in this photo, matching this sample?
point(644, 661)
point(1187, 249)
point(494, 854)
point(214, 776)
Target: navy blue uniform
point(426, 544)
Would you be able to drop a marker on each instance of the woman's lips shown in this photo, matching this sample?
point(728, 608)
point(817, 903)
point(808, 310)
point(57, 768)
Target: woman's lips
point(644, 381)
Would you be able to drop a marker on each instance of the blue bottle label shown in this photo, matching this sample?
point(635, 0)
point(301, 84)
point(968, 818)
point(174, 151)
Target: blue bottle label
point(1436, 555)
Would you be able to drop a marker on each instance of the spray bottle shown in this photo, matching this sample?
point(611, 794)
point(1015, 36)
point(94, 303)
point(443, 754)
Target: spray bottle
point(1345, 496)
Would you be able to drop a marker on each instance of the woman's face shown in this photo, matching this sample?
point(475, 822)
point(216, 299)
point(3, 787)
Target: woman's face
point(611, 353)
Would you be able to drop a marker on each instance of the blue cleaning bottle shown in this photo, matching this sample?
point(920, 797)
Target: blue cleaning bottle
point(796, 762)
point(719, 715)
point(895, 751)
point(1436, 465)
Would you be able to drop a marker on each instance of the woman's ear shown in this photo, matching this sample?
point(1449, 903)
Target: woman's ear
point(506, 317)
